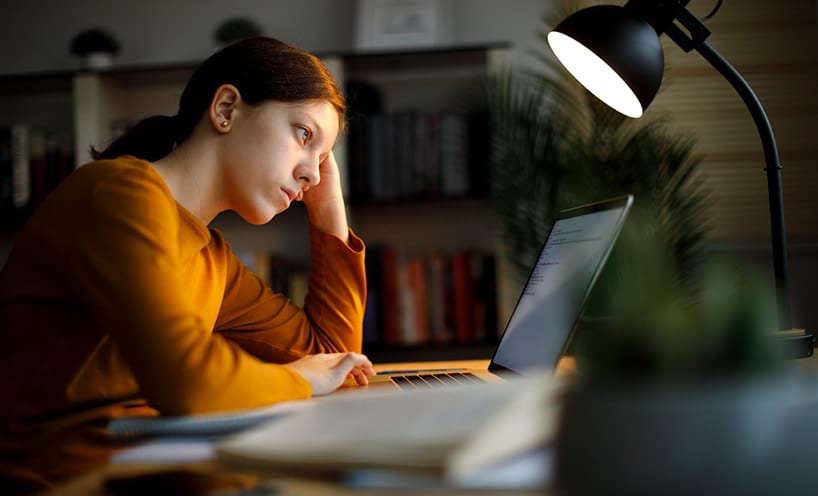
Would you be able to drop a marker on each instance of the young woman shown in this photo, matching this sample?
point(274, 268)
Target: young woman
point(117, 299)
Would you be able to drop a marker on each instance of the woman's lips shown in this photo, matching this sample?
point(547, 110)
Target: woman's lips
point(289, 197)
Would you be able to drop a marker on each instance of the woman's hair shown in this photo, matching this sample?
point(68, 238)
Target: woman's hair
point(261, 68)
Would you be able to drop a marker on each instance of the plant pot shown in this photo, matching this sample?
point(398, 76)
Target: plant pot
point(99, 60)
point(734, 437)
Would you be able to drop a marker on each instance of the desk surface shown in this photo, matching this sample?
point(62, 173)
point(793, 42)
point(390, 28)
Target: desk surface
point(92, 483)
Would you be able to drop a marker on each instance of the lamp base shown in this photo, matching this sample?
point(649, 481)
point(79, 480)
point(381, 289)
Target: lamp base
point(795, 343)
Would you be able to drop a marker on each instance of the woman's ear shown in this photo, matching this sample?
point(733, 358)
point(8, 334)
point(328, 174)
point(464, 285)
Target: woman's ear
point(224, 107)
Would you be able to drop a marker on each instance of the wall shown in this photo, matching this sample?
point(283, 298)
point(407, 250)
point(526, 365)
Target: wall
point(154, 31)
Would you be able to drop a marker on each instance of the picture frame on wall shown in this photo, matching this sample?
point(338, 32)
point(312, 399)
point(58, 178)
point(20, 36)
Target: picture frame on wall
point(396, 24)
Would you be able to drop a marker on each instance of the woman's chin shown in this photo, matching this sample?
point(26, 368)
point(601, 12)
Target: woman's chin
point(258, 218)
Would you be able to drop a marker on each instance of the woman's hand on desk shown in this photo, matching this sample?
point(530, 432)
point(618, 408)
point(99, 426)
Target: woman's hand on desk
point(326, 372)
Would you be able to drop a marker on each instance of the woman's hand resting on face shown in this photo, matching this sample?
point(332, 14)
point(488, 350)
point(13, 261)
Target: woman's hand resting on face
point(325, 201)
point(326, 372)
point(328, 190)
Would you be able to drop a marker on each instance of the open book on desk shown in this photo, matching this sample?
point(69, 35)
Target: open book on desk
point(448, 431)
point(201, 426)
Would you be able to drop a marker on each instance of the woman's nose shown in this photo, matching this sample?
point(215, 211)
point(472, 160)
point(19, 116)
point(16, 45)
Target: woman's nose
point(308, 172)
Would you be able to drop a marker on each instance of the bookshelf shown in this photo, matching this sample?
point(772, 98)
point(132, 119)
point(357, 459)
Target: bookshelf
point(42, 101)
point(95, 107)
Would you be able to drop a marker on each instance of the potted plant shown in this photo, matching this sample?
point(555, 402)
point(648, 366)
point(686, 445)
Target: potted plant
point(554, 145)
point(683, 390)
point(96, 46)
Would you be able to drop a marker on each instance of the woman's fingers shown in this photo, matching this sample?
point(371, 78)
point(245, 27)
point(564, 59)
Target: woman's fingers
point(327, 371)
point(353, 363)
point(359, 376)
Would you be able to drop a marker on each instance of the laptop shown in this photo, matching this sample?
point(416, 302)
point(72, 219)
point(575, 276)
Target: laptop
point(542, 324)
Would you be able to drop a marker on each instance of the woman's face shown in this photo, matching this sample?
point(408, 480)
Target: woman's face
point(273, 155)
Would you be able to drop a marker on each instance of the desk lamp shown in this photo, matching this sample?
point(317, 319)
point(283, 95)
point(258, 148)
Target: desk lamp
point(615, 52)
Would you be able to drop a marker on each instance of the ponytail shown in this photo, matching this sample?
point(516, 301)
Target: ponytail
point(150, 139)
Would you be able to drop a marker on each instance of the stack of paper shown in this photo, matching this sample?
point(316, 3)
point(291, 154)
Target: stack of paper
point(448, 431)
point(188, 438)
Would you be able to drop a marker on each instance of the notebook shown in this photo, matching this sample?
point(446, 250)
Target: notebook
point(542, 324)
point(453, 432)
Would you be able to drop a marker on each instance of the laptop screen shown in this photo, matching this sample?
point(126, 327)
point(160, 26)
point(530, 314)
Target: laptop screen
point(550, 304)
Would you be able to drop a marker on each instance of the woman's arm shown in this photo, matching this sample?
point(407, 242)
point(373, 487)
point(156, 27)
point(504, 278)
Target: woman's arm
point(269, 325)
point(125, 266)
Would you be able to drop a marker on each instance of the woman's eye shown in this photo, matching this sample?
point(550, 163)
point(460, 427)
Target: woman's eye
point(303, 134)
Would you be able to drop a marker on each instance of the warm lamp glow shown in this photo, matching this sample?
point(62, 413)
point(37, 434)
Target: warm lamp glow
point(593, 73)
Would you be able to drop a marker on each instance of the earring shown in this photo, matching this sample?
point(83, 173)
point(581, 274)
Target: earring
point(225, 124)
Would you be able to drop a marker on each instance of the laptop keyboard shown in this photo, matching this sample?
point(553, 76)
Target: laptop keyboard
point(412, 381)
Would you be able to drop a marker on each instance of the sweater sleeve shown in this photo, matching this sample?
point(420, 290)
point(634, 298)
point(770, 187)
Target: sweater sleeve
point(126, 263)
point(271, 327)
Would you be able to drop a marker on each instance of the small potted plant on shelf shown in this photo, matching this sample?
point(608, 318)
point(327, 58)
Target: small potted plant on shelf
point(683, 391)
point(235, 29)
point(97, 47)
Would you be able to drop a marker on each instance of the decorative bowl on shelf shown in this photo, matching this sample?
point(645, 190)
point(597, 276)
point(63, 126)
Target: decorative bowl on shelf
point(96, 46)
point(99, 60)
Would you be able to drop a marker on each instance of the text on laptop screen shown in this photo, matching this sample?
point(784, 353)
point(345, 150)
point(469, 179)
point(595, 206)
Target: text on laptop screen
point(552, 298)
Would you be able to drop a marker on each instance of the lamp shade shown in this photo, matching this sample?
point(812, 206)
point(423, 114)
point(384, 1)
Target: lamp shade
point(615, 55)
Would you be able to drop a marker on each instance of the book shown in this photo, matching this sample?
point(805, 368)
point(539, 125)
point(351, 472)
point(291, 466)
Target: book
point(390, 323)
point(364, 100)
point(215, 424)
point(454, 144)
point(299, 286)
point(479, 149)
point(6, 166)
point(463, 293)
point(375, 157)
point(429, 153)
point(374, 296)
point(39, 186)
point(20, 173)
point(420, 304)
point(449, 431)
point(406, 305)
point(484, 297)
point(372, 315)
point(439, 331)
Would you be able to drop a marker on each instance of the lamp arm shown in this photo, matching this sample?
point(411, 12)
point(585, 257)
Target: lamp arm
point(773, 169)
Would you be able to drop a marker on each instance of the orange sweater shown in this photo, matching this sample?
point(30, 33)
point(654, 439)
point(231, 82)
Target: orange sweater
point(116, 301)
